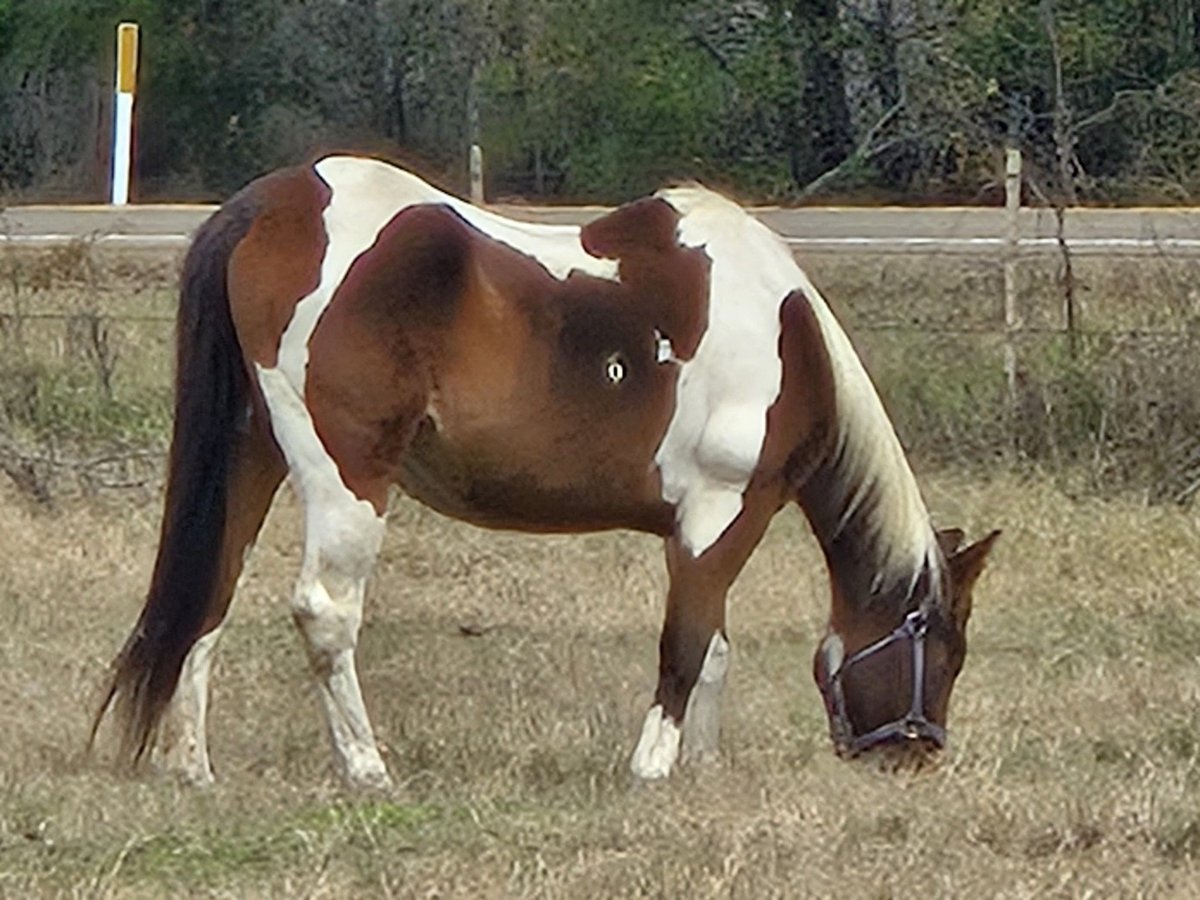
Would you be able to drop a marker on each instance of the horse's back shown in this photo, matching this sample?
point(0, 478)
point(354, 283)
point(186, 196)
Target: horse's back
point(340, 224)
point(451, 350)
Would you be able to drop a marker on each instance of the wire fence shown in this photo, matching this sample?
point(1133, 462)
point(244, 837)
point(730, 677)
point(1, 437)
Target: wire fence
point(902, 328)
point(85, 371)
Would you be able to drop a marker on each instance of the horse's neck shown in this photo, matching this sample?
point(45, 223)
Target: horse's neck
point(862, 499)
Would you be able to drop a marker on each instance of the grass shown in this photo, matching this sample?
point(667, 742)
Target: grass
point(1076, 725)
point(1075, 762)
point(85, 362)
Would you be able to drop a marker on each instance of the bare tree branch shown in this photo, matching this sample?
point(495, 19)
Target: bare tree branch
point(867, 149)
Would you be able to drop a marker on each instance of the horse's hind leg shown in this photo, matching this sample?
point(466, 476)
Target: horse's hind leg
point(342, 538)
point(693, 650)
point(257, 471)
point(343, 530)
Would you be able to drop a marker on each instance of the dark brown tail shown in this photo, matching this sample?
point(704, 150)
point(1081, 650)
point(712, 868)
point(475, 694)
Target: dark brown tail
point(211, 404)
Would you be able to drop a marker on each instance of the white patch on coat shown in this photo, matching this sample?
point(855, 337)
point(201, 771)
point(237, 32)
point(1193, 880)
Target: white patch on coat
point(702, 716)
point(342, 535)
point(833, 649)
point(664, 351)
point(557, 247)
point(350, 530)
point(657, 748)
point(712, 445)
point(714, 440)
point(614, 369)
point(183, 744)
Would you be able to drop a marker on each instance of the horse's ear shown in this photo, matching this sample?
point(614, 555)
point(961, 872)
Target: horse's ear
point(965, 568)
point(949, 540)
point(647, 224)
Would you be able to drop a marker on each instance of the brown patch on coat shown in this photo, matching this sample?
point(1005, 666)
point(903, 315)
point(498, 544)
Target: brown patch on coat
point(462, 369)
point(278, 262)
point(373, 354)
point(673, 279)
point(808, 407)
point(801, 423)
point(528, 432)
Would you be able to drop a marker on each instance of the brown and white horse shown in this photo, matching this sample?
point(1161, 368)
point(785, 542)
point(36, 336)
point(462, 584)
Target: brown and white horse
point(667, 368)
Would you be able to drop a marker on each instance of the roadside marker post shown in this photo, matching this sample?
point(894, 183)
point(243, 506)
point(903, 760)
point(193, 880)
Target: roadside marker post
point(127, 63)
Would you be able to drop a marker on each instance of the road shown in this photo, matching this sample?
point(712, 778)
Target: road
point(1171, 232)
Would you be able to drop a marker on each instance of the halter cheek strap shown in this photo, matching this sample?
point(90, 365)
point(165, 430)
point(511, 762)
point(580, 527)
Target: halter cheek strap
point(914, 725)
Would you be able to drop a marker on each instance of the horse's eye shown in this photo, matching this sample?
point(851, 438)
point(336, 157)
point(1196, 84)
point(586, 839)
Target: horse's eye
point(614, 369)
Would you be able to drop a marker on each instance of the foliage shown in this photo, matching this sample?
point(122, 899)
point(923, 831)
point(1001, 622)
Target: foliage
point(600, 99)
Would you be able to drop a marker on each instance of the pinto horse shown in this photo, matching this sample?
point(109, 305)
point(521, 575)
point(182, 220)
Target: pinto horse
point(667, 368)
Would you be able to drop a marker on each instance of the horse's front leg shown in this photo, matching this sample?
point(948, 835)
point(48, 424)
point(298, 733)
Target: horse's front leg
point(693, 660)
point(684, 721)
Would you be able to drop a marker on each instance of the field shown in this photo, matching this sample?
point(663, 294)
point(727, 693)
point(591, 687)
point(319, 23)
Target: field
point(1073, 770)
point(508, 675)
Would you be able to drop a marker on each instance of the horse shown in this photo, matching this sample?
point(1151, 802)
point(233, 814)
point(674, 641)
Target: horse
point(667, 368)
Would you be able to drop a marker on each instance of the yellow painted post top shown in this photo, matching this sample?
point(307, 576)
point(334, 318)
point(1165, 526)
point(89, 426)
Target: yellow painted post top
point(127, 54)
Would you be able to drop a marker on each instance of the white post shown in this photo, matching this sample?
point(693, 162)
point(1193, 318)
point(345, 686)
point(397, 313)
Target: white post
point(1012, 318)
point(476, 174)
point(127, 52)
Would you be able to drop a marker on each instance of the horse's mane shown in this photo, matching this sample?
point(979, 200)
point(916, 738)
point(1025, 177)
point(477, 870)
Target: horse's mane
point(875, 500)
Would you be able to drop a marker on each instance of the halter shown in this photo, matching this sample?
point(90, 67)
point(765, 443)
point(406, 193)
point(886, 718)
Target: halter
point(912, 726)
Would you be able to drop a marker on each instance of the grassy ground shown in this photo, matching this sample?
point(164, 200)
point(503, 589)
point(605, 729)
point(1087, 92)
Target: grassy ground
point(1075, 724)
point(1075, 729)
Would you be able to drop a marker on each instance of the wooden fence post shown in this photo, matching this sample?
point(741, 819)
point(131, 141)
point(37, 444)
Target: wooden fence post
point(476, 174)
point(1012, 249)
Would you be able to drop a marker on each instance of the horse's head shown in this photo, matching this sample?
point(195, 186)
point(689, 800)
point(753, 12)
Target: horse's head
point(886, 675)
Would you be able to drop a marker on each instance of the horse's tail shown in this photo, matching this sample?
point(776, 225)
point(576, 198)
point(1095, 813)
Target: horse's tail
point(212, 402)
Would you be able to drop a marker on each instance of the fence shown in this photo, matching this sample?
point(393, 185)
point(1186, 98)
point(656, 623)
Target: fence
point(975, 349)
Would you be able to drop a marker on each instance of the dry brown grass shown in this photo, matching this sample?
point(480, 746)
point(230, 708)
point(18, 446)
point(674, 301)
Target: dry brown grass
point(1075, 724)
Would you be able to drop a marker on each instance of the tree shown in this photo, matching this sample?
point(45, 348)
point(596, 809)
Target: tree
point(602, 99)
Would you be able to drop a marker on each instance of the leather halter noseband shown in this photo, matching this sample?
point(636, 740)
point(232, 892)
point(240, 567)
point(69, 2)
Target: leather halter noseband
point(912, 726)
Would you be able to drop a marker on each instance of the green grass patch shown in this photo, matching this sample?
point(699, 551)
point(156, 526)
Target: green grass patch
point(212, 852)
point(215, 853)
point(67, 404)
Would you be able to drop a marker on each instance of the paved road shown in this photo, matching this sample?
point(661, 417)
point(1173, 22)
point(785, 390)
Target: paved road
point(1172, 232)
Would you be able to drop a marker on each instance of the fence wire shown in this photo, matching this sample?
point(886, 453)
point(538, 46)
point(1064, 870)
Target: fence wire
point(85, 375)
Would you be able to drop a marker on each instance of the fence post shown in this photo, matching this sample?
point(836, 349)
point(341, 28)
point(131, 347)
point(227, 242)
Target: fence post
point(1012, 249)
point(127, 56)
point(476, 174)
